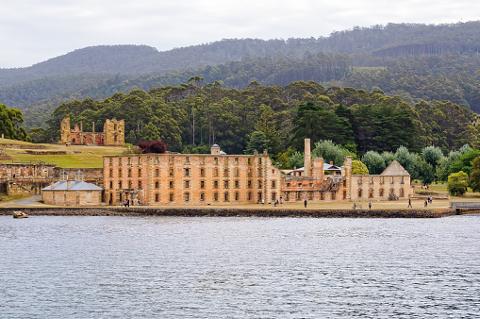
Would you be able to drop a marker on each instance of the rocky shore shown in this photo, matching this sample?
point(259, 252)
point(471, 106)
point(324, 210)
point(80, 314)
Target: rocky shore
point(233, 212)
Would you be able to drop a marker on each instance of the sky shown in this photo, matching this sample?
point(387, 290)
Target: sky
point(35, 30)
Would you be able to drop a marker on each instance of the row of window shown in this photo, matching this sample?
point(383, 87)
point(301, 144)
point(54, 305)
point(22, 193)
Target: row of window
point(309, 195)
point(215, 197)
point(381, 193)
point(171, 159)
point(187, 184)
point(382, 180)
point(187, 172)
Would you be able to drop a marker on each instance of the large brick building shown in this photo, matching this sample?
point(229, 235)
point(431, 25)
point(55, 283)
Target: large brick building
point(113, 133)
point(195, 179)
point(161, 179)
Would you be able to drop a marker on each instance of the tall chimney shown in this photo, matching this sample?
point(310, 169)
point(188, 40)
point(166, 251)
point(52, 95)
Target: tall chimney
point(307, 159)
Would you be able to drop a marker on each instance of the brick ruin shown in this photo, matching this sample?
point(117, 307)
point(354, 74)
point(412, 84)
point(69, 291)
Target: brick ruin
point(113, 133)
point(29, 179)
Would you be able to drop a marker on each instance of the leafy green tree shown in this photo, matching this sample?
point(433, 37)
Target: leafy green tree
point(424, 171)
point(458, 183)
point(11, 123)
point(432, 155)
point(319, 122)
point(388, 157)
point(385, 125)
point(330, 151)
point(475, 175)
point(359, 168)
point(257, 141)
point(443, 167)
point(374, 162)
point(464, 161)
point(296, 160)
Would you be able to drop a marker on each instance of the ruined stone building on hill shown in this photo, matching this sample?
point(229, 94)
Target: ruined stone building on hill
point(113, 133)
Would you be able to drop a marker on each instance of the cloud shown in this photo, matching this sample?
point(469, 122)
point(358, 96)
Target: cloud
point(35, 30)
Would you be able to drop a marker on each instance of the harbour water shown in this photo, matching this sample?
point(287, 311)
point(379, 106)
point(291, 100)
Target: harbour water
point(206, 267)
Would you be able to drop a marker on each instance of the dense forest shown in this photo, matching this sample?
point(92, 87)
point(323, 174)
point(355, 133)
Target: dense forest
point(192, 116)
point(415, 61)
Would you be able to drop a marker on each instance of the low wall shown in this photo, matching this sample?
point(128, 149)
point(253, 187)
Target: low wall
point(233, 212)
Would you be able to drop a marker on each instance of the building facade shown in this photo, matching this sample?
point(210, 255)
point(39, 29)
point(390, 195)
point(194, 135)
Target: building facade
point(72, 193)
point(217, 178)
point(113, 133)
point(181, 179)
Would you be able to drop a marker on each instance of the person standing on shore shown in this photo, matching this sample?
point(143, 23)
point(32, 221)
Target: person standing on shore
point(409, 203)
point(425, 204)
point(305, 203)
point(370, 205)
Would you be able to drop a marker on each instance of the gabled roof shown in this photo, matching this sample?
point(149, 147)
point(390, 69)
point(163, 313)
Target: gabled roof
point(330, 167)
point(72, 186)
point(395, 169)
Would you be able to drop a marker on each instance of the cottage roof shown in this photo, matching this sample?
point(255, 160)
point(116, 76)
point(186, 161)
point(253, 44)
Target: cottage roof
point(330, 167)
point(72, 186)
point(395, 169)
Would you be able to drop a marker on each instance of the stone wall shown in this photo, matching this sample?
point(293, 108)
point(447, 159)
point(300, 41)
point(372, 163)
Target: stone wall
point(114, 131)
point(379, 187)
point(233, 212)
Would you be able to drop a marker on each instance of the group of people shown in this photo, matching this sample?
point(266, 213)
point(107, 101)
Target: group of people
point(428, 200)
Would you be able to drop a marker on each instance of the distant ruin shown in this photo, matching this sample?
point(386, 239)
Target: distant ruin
point(113, 133)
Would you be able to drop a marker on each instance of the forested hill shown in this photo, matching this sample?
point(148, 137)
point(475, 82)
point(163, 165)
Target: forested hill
point(259, 117)
point(415, 61)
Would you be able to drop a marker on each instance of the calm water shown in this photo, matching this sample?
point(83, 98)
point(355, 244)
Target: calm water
point(109, 267)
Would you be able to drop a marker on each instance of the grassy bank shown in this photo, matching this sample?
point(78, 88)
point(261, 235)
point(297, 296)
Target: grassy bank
point(77, 156)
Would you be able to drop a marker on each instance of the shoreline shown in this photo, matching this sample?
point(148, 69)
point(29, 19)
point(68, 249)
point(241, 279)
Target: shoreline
point(232, 212)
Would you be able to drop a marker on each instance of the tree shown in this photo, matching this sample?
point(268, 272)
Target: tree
point(359, 168)
point(457, 183)
point(296, 160)
point(331, 152)
point(443, 167)
point(320, 122)
point(432, 155)
point(11, 123)
point(157, 147)
point(464, 161)
point(374, 162)
point(475, 175)
point(257, 141)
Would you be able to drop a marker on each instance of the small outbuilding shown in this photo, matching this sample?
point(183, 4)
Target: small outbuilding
point(72, 193)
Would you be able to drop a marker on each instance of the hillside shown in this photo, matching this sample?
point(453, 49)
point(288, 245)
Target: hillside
point(415, 61)
point(74, 156)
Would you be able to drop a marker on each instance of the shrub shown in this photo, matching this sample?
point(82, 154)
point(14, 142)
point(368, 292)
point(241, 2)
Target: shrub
point(358, 168)
point(457, 183)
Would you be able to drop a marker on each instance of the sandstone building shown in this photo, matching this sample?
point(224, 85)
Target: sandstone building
point(217, 178)
point(162, 179)
point(113, 133)
point(72, 193)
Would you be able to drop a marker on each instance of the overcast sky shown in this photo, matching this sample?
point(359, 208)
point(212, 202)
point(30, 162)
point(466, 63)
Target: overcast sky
point(35, 30)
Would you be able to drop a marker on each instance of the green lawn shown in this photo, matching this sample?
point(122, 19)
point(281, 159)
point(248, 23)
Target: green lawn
point(79, 156)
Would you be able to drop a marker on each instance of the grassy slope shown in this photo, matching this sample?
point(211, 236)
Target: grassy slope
point(80, 157)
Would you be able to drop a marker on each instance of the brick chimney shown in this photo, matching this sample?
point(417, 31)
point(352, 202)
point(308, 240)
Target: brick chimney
point(307, 159)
